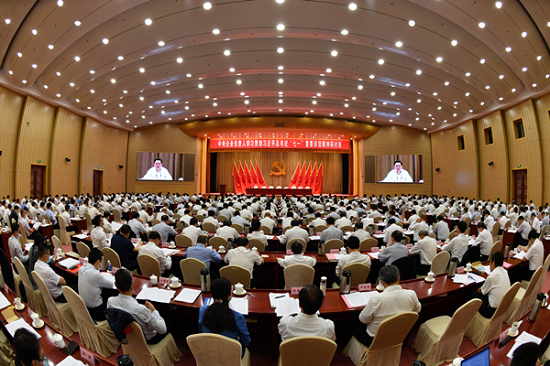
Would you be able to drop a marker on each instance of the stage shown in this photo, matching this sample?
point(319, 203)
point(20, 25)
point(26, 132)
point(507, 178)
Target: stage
point(279, 191)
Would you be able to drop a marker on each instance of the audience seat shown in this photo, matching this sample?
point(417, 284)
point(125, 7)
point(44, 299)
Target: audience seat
point(265, 229)
point(216, 241)
point(332, 244)
point(110, 255)
point(359, 273)
point(289, 243)
point(524, 299)
point(307, 350)
point(236, 274)
point(298, 275)
point(83, 249)
point(34, 297)
point(210, 349)
point(164, 353)
point(497, 247)
point(183, 241)
point(191, 271)
point(440, 262)
point(149, 265)
point(260, 245)
point(209, 226)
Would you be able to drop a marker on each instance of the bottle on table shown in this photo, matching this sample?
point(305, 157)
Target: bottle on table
point(109, 267)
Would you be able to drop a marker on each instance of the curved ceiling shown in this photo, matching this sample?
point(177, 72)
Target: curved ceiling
point(428, 64)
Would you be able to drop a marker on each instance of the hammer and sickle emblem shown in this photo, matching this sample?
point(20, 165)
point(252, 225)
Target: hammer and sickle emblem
point(278, 169)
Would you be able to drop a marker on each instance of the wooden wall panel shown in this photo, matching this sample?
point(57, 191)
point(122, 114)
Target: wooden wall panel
point(493, 179)
point(11, 105)
point(67, 135)
point(390, 140)
point(332, 167)
point(542, 106)
point(458, 175)
point(526, 151)
point(160, 138)
point(103, 148)
point(35, 138)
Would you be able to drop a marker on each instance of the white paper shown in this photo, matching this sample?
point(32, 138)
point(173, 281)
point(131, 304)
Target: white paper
point(374, 255)
point(288, 306)
point(188, 295)
point(18, 324)
point(467, 278)
point(3, 301)
point(240, 305)
point(156, 294)
point(359, 299)
point(115, 226)
point(476, 278)
point(315, 237)
point(270, 237)
point(69, 262)
point(520, 255)
point(70, 361)
point(523, 338)
point(379, 236)
point(109, 278)
point(168, 251)
point(80, 236)
point(28, 246)
point(275, 297)
point(37, 225)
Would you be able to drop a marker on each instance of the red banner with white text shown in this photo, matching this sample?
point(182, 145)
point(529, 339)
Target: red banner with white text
point(277, 143)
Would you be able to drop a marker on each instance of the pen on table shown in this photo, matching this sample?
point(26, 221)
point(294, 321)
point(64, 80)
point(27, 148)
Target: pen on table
point(248, 293)
point(278, 297)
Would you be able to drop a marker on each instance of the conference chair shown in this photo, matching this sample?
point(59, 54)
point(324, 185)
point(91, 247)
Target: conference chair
point(508, 224)
point(368, 244)
point(96, 336)
point(286, 228)
point(210, 349)
point(524, 299)
point(319, 229)
point(346, 228)
point(236, 274)
point(452, 234)
point(191, 271)
point(164, 353)
point(23, 237)
point(543, 231)
point(477, 219)
point(494, 233)
point(399, 224)
point(359, 273)
point(82, 249)
point(440, 262)
point(176, 217)
point(208, 226)
point(386, 345)
point(238, 227)
point(88, 218)
point(406, 240)
point(497, 247)
point(407, 266)
point(117, 215)
point(180, 225)
point(110, 255)
point(199, 218)
point(216, 241)
point(183, 241)
point(438, 339)
point(289, 243)
point(481, 330)
point(265, 229)
point(222, 218)
point(194, 212)
point(34, 297)
point(432, 235)
point(298, 275)
point(545, 266)
point(65, 236)
point(467, 220)
point(154, 222)
point(149, 265)
point(57, 245)
point(377, 219)
point(332, 244)
point(307, 350)
point(260, 245)
point(60, 315)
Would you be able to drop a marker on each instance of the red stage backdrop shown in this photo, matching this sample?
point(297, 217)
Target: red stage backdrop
point(274, 143)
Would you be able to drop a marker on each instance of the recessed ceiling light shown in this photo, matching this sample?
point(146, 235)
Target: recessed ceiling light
point(280, 101)
point(468, 74)
point(201, 86)
point(467, 94)
point(92, 72)
point(508, 49)
point(227, 52)
point(482, 61)
point(46, 87)
point(344, 32)
point(58, 73)
point(168, 92)
point(398, 44)
point(142, 70)
point(113, 81)
point(392, 94)
point(179, 60)
point(334, 53)
point(280, 27)
point(524, 34)
point(534, 85)
point(77, 58)
point(161, 43)
point(498, 4)
point(419, 101)
point(352, 6)
point(153, 82)
point(322, 82)
point(418, 72)
point(105, 41)
point(8, 21)
point(77, 23)
point(120, 58)
point(329, 70)
point(188, 75)
point(539, 58)
point(216, 31)
point(34, 31)
point(24, 81)
point(34, 66)
point(501, 77)
point(447, 83)
point(524, 69)
point(280, 50)
point(412, 23)
point(454, 42)
point(71, 84)
point(280, 1)
point(487, 87)
point(371, 76)
point(481, 25)
point(92, 91)
point(239, 81)
point(148, 21)
point(231, 69)
point(280, 81)
point(381, 61)
point(207, 5)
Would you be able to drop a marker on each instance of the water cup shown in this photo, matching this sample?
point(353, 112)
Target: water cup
point(58, 341)
point(514, 329)
point(85, 261)
point(18, 303)
point(36, 321)
point(60, 252)
point(468, 266)
point(221, 249)
point(154, 279)
point(255, 249)
point(343, 250)
point(175, 282)
point(457, 361)
point(430, 276)
point(239, 288)
point(172, 244)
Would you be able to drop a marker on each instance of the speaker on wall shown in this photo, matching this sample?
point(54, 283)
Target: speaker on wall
point(213, 165)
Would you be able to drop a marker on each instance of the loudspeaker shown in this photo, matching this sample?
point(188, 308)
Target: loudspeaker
point(120, 166)
point(213, 168)
point(67, 160)
point(437, 169)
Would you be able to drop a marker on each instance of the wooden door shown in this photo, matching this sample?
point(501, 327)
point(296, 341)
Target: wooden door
point(38, 173)
point(98, 182)
point(520, 185)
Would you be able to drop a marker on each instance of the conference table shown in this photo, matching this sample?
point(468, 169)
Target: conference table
point(279, 191)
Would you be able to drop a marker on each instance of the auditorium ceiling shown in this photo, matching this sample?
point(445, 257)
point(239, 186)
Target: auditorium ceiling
point(427, 64)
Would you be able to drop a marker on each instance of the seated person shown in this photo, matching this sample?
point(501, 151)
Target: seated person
point(359, 232)
point(297, 257)
point(441, 229)
point(27, 348)
point(219, 318)
point(484, 240)
point(342, 221)
point(318, 221)
point(353, 256)
point(535, 256)
point(391, 228)
point(395, 250)
point(53, 281)
point(16, 249)
point(211, 219)
point(137, 226)
point(227, 232)
point(238, 219)
point(459, 244)
point(393, 300)
point(90, 283)
point(166, 231)
point(256, 233)
point(307, 322)
point(527, 355)
point(521, 237)
point(152, 324)
point(193, 230)
point(152, 248)
point(126, 251)
point(426, 247)
point(494, 287)
point(99, 238)
point(419, 224)
point(296, 232)
point(202, 253)
point(331, 232)
point(242, 256)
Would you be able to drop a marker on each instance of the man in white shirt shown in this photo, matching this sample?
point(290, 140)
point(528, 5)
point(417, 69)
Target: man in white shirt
point(137, 226)
point(166, 231)
point(99, 238)
point(535, 256)
point(521, 237)
point(393, 300)
point(15, 247)
point(152, 248)
point(535, 222)
point(426, 247)
point(90, 283)
point(441, 229)
point(227, 232)
point(342, 221)
point(360, 233)
point(488, 220)
point(398, 174)
point(157, 172)
point(484, 240)
point(307, 322)
point(53, 281)
point(416, 226)
point(502, 220)
point(297, 257)
point(318, 221)
point(211, 219)
point(152, 324)
point(256, 233)
point(353, 256)
point(244, 257)
point(391, 228)
point(459, 244)
point(192, 231)
point(268, 221)
point(494, 287)
point(296, 232)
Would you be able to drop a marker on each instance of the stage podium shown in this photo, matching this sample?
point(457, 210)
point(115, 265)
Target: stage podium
point(223, 189)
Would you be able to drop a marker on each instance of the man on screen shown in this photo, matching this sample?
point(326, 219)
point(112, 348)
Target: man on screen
point(398, 174)
point(157, 172)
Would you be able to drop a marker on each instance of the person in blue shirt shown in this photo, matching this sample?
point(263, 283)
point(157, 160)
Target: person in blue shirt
point(126, 251)
point(202, 253)
point(219, 318)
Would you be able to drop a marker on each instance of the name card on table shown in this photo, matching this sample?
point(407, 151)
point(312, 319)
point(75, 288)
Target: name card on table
point(134, 240)
point(165, 245)
point(460, 270)
point(289, 252)
point(87, 356)
point(375, 249)
point(379, 231)
point(164, 281)
point(409, 246)
point(114, 270)
point(364, 287)
point(295, 290)
point(334, 251)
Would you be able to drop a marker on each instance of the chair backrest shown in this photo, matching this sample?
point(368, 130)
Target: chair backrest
point(48, 299)
point(198, 217)
point(183, 241)
point(452, 234)
point(455, 214)
point(505, 302)
point(440, 262)
point(467, 220)
point(22, 273)
point(393, 330)
point(80, 311)
point(477, 218)
point(407, 267)
point(461, 319)
point(154, 222)
point(23, 237)
point(319, 228)
point(377, 219)
point(289, 243)
point(359, 273)
point(176, 217)
point(180, 225)
point(432, 235)
point(530, 292)
point(497, 247)
point(298, 275)
point(406, 240)
point(222, 218)
point(136, 346)
point(307, 350)
point(265, 229)
point(191, 270)
point(111, 255)
point(543, 275)
point(211, 349)
point(367, 244)
point(56, 242)
point(496, 228)
point(149, 265)
point(216, 241)
point(82, 249)
point(286, 228)
point(346, 228)
point(508, 224)
point(238, 227)
point(260, 245)
point(209, 226)
point(236, 274)
point(117, 216)
point(332, 244)
point(88, 218)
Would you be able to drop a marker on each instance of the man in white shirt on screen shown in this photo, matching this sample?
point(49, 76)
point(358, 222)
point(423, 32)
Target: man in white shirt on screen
point(157, 172)
point(398, 174)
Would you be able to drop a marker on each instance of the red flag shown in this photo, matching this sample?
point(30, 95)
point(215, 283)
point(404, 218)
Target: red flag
point(299, 182)
point(253, 175)
point(305, 180)
point(237, 180)
point(295, 176)
point(244, 182)
point(313, 177)
point(259, 176)
point(319, 180)
point(249, 182)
